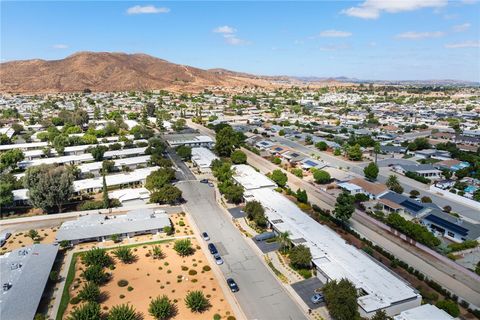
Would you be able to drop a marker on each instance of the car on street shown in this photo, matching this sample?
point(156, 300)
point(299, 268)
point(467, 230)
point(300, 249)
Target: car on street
point(317, 298)
point(205, 236)
point(204, 181)
point(213, 250)
point(232, 285)
point(210, 184)
point(218, 259)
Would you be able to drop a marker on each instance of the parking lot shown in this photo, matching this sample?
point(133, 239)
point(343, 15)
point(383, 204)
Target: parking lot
point(306, 289)
point(237, 212)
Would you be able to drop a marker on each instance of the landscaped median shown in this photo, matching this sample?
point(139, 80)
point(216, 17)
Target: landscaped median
point(138, 274)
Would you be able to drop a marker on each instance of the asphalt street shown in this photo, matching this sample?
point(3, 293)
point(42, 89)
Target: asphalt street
point(260, 295)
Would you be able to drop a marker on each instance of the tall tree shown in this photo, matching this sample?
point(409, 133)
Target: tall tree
point(106, 200)
point(341, 299)
point(393, 184)
point(279, 177)
point(344, 207)
point(371, 171)
point(49, 186)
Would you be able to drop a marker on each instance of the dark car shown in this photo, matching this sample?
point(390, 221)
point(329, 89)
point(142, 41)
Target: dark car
point(205, 236)
point(232, 284)
point(212, 248)
point(204, 181)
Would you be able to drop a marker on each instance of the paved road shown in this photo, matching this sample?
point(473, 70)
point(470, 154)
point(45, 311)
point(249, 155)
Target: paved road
point(260, 295)
point(407, 183)
point(183, 172)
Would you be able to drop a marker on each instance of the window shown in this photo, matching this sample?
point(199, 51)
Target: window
point(451, 234)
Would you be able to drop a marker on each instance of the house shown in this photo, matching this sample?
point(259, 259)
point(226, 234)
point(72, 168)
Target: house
point(277, 150)
point(202, 158)
point(423, 170)
point(100, 227)
point(25, 273)
point(130, 196)
point(293, 156)
point(423, 312)
point(264, 144)
point(451, 165)
point(372, 190)
point(398, 203)
point(392, 149)
point(189, 140)
point(450, 227)
point(432, 154)
point(309, 163)
point(8, 131)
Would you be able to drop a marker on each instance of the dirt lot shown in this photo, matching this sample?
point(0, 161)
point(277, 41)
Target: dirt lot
point(21, 239)
point(173, 276)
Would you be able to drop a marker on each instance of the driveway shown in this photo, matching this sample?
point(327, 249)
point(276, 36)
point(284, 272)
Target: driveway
point(260, 295)
point(306, 289)
point(237, 212)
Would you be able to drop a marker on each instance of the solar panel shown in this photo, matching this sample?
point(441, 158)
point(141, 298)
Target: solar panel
point(310, 163)
point(415, 207)
point(447, 224)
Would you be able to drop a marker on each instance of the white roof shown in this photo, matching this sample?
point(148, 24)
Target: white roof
point(203, 157)
point(129, 194)
point(251, 179)
point(30, 145)
point(424, 312)
point(92, 166)
point(349, 186)
point(63, 159)
point(332, 255)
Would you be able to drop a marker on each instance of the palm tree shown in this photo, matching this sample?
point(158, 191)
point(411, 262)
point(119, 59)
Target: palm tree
point(157, 252)
point(89, 292)
point(124, 254)
point(284, 240)
point(123, 312)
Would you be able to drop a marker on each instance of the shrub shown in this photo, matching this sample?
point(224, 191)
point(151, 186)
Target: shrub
point(206, 268)
point(161, 308)
point(183, 247)
point(96, 256)
point(122, 312)
point(87, 311)
point(196, 301)
point(124, 254)
point(75, 300)
point(449, 306)
point(192, 272)
point(95, 274)
point(122, 283)
point(216, 316)
point(91, 205)
point(89, 292)
point(129, 288)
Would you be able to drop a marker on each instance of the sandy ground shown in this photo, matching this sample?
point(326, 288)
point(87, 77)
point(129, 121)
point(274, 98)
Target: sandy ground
point(21, 239)
point(151, 277)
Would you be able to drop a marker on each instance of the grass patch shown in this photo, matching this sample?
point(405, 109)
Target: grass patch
point(277, 272)
point(66, 292)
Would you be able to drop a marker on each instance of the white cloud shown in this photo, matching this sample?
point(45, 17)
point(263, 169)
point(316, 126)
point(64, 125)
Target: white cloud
point(147, 10)
point(335, 34)
point(225, 30)
point(229, 35)
point(371, 9)
point(462, 27)
point(465, 44)
point(412, 35)
point(60, 46)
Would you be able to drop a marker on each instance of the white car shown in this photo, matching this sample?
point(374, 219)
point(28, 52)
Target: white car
point(218, 259)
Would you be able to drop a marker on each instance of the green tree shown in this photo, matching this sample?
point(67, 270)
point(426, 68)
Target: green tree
point(49, 186)
point(98, 152)
point(184, 152)
point(414, 193)
point(322, 145)
point(279, 177)
point(227, 140)
point(161, 308)
point(255, 212)
point(6, 194)
point(283, 239)
point(10, 159)
point(167, 194)
point(300, 256)
point(233, 193)
point(341, 299)
point(157, 252)
point(60, 142)
point(238, 157)
point(123, 312)
point(196, 301)
point(371, 171)
point(87, 311)
point(321, 176)
point(449, 306)
point(183, 247)
point(106, 200)
point(89, 292)
point(222, 170)
point(380, 315)
point(344, 207)
point(354, 153)
point(301, 196)
point(179, 125)
point(108, 166)
point(33, 234)
point(124, 254)
point(158, 179)
point(426, 199)
point(393, 184)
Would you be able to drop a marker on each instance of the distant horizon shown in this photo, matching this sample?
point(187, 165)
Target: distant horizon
point(255, 74)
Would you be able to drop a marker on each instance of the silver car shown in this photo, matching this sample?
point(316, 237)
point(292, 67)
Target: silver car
point(218, 259)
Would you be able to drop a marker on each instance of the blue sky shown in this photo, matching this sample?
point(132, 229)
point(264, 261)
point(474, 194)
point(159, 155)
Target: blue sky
point(369, 39)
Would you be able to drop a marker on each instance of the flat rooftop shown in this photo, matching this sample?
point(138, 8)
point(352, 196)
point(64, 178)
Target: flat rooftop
point(250, 179)
point(100, 225)
point(424, 312)
point(203, 157)
point(26, 271)
point(332, 255)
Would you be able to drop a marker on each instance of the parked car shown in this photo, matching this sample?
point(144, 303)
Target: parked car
point(317, 298)
point(205, 236)
point(204, 181)
point(210, 184)
point(213, 250)
point(218, 259)
point(232, 284)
